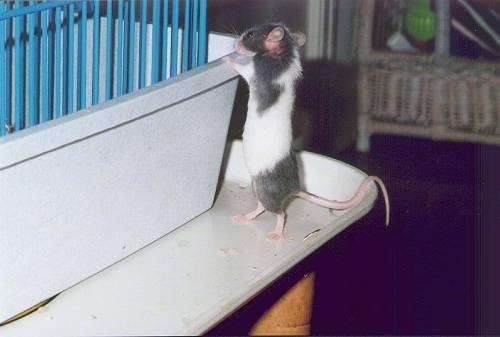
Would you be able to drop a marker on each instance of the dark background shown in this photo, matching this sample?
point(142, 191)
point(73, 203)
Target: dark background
point(434, 270)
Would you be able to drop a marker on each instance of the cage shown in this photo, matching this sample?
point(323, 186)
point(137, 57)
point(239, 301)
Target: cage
point(112, 134)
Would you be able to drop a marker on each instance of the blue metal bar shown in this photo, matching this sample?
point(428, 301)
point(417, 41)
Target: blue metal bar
point(57, 63)
point(95, 53)
point(109, 49)
point(82, 57)
point(44, 67)
point(156, 42)
point(71, 40)
point(126, 18)
point(119, 52)
point(19, 78)
point(65, 72)
point(202, 35)
point(174, 49)
point(131, 48)
point(51, 36)
point(8, 63)
point(164, 44)
point(185, 37)
point(34, 8)
point(33, 62)
point(142, 44)
point(22, 40)
point(3, 74)
point(194, 35)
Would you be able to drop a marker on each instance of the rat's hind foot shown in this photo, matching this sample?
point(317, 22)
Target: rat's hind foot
point(241, 218)
point(250, 216)
point(274, 236)
point(277, 233)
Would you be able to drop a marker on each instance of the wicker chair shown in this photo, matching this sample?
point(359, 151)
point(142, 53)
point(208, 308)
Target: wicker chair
point(426, 95)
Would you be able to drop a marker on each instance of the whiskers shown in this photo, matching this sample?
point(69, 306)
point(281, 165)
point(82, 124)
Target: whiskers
point(229, 29)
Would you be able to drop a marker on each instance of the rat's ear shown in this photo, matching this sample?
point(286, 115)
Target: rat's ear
point(299, 38)
point(276, 35)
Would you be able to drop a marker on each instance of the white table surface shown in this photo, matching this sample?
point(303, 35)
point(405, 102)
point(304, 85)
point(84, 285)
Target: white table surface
point(191, 279)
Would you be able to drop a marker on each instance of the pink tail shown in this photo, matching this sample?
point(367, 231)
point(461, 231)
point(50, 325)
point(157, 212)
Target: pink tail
point(356, 199)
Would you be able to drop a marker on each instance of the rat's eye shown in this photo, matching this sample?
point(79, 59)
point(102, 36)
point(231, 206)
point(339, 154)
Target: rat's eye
point(251, 35)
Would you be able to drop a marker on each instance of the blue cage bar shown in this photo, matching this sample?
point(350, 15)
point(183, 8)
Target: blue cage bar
point(57, 57)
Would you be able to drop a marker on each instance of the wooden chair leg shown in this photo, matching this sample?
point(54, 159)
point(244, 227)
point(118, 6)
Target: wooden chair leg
point(291, 313)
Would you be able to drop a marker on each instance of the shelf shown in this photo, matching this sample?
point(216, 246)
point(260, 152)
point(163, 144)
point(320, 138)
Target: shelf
point(194, 277)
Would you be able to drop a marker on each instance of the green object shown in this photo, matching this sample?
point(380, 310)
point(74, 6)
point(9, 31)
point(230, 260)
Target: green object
point(420, 21)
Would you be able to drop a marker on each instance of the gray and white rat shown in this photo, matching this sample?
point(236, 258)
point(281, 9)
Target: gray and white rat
point(272, 70)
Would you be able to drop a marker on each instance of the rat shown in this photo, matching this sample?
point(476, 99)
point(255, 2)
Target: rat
point(271, 67)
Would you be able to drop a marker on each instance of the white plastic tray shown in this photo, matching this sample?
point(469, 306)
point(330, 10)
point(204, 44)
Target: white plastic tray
point(189, 280)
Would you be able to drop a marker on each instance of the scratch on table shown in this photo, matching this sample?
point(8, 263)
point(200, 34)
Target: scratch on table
point(311, 234)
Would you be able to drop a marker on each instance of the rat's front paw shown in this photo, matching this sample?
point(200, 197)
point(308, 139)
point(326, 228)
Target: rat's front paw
point(229, 60)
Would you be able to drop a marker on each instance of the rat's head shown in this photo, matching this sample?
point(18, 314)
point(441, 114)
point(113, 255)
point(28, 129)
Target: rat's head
point(272, 39)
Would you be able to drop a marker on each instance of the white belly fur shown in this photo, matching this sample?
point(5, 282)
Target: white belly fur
point(267, 137)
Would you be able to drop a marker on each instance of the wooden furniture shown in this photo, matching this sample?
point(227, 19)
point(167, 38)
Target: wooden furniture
point(437, 96)
point(291, 313)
